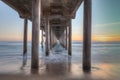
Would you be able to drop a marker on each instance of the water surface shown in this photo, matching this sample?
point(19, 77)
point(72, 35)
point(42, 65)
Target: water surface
point(58, 65)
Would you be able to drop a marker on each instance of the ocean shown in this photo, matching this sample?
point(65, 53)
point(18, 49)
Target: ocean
point(105, 59)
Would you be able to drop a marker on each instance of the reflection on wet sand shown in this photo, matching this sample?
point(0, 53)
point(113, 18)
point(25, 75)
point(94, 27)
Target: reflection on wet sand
point(60, 67)
point(34, 71)
point(24, 62)
point(69, 70)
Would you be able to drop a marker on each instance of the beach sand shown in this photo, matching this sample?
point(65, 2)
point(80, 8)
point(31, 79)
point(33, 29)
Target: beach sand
point(58, 70)
point(76, 74)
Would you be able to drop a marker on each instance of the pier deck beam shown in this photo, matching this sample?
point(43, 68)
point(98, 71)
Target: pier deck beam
point(87, 35)
point(36, 14)
point(70, 38)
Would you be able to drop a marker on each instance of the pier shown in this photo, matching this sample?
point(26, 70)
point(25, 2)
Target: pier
point(54, 18)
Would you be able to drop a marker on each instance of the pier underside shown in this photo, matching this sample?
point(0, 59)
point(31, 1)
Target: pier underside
point(54, 18)
point(59, 12)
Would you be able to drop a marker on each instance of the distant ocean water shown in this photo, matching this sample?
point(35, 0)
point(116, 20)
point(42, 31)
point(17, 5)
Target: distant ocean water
point(104, 55)
point(100, 50)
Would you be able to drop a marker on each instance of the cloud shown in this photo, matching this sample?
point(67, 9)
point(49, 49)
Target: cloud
point(107, 24)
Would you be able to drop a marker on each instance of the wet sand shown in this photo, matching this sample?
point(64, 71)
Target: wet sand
point(60, 66)
point(62, 74)
point(58, 69)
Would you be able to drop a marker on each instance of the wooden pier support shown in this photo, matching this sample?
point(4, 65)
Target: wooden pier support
point(36, 14)
point(87, 35)
point(25, 37)
point(46, 33)
point(70, 38)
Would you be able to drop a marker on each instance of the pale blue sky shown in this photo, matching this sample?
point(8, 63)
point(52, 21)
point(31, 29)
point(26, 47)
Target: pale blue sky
point(105, 21)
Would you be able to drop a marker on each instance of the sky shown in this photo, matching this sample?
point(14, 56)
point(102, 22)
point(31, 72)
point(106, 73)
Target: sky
point(105, 22)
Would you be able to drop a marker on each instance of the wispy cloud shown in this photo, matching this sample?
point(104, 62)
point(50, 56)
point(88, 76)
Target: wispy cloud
point(107, 24)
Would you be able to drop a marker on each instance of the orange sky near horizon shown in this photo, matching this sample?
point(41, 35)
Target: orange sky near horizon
point(75, 37)
point(95, 38)
point(99, 38)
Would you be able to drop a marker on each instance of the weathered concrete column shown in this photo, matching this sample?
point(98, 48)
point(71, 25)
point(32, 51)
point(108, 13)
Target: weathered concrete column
point(42, 39)
point(50, 38)
point(25, 42)
point(66, 38)
point(25, 36)
point(87, 35)
point(70, 38)
point(53, 41)
point(46, 33)
point(62, 40)
point(36, 10)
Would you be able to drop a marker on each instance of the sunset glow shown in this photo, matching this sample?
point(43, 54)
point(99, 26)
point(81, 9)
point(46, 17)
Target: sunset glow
point(105, 25)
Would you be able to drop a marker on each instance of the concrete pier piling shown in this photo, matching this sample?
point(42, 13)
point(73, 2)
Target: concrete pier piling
point(87, 35)
point(70, 39)
point(25, 36)
point(42, 41)
point(36, 15)
point(66, 38)
point(47, 34)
